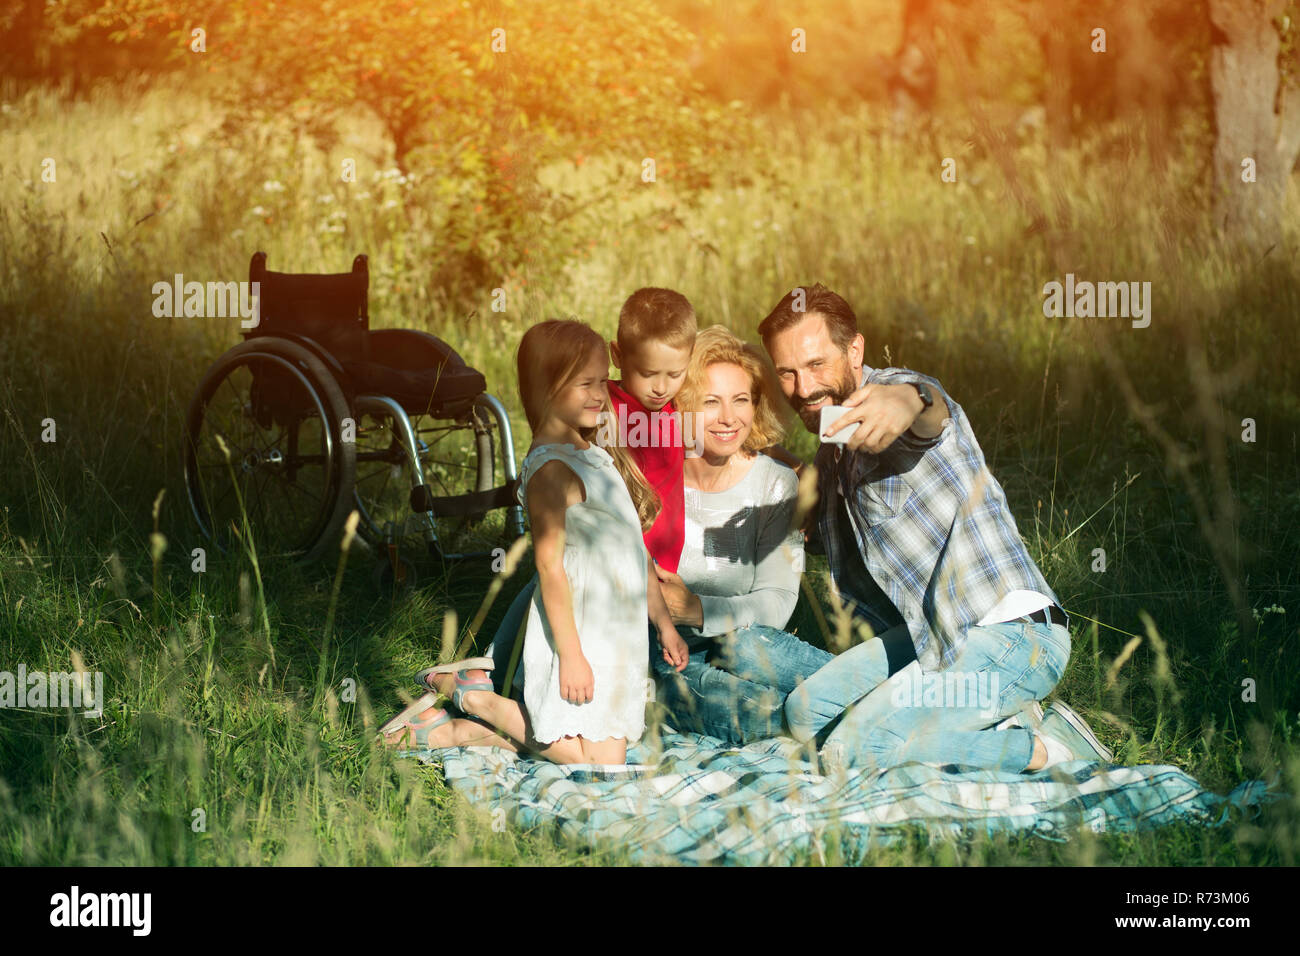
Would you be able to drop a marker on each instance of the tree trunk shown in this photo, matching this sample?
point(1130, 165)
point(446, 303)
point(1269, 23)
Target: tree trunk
point(1244, 79)
point(1288, 137)
point(1058, 77)
point(912, 72)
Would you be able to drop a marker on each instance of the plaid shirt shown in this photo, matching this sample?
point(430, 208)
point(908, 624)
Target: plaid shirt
point(932, 526)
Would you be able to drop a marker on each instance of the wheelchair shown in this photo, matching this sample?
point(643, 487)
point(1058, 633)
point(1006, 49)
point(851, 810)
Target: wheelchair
point(315, 415)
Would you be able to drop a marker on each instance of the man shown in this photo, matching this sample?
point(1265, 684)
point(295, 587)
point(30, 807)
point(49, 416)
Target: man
point(923, 548)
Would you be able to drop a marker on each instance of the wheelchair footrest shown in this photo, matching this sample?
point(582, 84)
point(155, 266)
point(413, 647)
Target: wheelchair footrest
point(422, 500)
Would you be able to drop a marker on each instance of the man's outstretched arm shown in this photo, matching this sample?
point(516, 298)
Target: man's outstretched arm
point(887, 411)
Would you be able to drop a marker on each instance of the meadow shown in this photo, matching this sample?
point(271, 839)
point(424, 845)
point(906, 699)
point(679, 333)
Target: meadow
point(224, 687)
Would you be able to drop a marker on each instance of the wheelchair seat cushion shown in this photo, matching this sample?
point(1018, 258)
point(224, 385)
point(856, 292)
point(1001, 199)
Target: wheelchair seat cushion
point(421, 372)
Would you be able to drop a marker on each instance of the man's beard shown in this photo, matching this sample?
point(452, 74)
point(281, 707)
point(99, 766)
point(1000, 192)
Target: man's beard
point(812, 418)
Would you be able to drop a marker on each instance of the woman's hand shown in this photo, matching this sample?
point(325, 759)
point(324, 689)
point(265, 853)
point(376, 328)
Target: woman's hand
point(683, 603)
point(577, 682)
point(675, 651)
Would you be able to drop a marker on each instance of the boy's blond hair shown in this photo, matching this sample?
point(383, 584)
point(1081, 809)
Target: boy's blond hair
point(719, 345)
point(656, 315)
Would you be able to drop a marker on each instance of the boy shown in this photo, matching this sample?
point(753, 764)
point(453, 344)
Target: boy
point(656, 332)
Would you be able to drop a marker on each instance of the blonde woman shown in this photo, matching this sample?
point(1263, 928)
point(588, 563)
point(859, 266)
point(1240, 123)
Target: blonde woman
point(738, 579)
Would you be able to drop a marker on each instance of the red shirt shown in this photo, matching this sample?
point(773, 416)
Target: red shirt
point(655, 441)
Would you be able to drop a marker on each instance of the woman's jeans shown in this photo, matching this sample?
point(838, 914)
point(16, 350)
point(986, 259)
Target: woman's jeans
point(733, 687)
point(944, 717)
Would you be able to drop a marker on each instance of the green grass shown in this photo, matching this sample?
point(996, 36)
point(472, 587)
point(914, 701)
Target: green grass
point(225, 696)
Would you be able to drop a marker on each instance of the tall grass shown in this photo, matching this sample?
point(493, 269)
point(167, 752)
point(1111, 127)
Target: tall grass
point(227, 698)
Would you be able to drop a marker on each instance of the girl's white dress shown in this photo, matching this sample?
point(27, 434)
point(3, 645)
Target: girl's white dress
point(605, 562)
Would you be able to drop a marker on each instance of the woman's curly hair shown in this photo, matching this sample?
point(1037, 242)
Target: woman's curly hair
point(719, 345)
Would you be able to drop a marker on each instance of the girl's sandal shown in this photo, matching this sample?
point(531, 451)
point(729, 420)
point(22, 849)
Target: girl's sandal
point(464, 685)
point(420, 739)
point(403, 719)
point(455, 667)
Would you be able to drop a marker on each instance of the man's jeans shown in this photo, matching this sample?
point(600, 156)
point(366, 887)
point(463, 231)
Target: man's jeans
point(944, 717)
point(734, 686)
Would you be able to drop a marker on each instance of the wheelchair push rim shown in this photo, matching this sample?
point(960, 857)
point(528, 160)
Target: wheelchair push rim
point(283, 472)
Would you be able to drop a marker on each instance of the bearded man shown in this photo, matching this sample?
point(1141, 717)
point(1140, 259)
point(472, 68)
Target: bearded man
point(924, 550)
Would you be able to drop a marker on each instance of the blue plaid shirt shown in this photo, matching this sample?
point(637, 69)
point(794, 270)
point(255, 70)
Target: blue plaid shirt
point(932, 526)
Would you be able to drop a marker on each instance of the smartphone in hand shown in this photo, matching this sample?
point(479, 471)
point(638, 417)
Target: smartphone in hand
point(830, 415)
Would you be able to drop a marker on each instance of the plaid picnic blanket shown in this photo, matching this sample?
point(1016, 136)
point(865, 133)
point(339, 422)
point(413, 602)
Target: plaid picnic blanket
point(698, 801)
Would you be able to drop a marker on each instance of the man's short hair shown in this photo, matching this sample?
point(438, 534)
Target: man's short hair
point(840, 320)
point(656, 315)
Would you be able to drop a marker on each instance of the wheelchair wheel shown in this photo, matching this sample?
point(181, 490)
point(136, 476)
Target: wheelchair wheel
point(278, 412)
point(394, 575)
point(456, 458)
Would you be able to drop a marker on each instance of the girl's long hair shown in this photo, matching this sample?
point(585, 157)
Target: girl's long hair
point(551, 354)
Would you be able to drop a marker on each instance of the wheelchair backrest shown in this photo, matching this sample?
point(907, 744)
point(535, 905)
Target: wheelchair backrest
point(330, 309)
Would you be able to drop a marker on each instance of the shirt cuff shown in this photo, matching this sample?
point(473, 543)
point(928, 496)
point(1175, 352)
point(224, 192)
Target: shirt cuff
point(903, 376)
point(718, 615)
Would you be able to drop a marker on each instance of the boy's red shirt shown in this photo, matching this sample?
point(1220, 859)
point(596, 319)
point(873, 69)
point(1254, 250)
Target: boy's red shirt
point(662, 462)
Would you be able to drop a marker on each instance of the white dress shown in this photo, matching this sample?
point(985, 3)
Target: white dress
point(605, 562)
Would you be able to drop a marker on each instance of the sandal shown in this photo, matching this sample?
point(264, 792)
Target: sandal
point(404, 718)
point(420, 739)
point(469, 664)
point(464, 685)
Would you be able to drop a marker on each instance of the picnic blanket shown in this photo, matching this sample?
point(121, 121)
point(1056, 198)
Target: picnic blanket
point(695, 800)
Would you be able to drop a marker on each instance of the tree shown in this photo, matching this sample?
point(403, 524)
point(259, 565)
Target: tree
point(58, 42)
point(1257, 116)
point(911, 74)
point(478, 99)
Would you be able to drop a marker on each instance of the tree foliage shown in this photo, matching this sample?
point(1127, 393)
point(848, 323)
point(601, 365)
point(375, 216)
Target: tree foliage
point(479, 100)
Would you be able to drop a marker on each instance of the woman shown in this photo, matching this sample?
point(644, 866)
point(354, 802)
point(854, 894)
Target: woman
point(738, 580)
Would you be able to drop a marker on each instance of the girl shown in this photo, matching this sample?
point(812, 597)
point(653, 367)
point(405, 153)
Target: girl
point(585, 654)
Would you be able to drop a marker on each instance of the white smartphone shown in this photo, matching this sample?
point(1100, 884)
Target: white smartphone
point(830, 415)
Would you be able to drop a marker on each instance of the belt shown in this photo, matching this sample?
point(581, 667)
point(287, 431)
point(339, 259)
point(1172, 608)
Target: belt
point(1051, 613)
